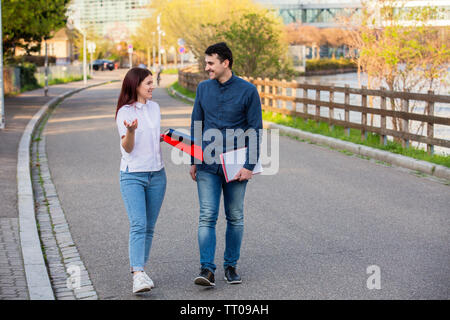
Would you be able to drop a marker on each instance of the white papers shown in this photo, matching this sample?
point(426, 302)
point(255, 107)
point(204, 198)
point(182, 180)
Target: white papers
point(233, 162)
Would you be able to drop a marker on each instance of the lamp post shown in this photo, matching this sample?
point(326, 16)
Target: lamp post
point(154, 41)
point(46, 69)
point(158, 20)
point(84, 58)
point(2, 99)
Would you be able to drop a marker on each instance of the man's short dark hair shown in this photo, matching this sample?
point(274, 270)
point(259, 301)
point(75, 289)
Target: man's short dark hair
point(223, 52)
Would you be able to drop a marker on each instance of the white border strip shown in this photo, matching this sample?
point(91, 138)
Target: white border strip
point(389, 157)
point(38, 281)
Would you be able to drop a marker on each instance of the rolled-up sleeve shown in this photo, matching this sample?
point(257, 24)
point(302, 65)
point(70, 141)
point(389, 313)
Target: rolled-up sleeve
point(197, 115)
point(254, 121)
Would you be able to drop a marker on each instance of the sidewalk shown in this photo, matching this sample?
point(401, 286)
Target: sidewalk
point(19, 110)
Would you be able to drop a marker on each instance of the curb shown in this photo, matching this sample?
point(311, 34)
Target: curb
point(381, 155)
point(38, 282)
point(179, 95)
point(389, 157)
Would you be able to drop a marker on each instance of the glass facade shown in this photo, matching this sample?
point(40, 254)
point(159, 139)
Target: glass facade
point(112, 18)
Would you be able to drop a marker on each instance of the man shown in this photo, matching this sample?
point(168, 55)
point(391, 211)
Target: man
point(224, 104)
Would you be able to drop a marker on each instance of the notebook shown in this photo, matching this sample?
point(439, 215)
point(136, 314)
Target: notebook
point(233, 162)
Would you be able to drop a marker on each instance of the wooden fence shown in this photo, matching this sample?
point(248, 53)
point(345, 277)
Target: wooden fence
point(190, 77)
point(277, 95)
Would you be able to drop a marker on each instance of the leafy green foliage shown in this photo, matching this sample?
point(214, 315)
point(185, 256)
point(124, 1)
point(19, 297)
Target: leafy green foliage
point(258, 47)
point(26, 23)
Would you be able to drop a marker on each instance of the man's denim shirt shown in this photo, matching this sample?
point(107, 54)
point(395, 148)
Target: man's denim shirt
point(234, 104)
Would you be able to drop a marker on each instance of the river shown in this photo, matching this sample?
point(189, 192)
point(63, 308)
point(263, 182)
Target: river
point(340, 80)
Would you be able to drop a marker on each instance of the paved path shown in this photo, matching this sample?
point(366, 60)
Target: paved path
point(19, 110)
point(311, 231)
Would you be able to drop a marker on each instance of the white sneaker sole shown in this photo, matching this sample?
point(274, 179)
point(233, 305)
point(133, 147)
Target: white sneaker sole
point(143, 289)
point(202, 281)
point(232, 282)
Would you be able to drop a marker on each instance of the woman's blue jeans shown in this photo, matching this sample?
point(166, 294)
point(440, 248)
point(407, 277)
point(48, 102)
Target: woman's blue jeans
point(143, 194)
point(210, 187)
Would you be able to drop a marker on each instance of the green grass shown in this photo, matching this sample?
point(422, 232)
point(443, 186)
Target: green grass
point(177, 87)
point(329, 64)
point(64, 80)
point(373, 140)
point(170, 71)
point(338, 132)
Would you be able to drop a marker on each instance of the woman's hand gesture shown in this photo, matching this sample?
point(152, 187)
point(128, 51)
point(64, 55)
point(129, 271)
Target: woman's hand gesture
point(131, 126)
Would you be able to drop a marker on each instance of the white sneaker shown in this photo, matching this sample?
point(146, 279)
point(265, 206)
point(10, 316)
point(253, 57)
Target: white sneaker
point(150, 281)
point(140, 283)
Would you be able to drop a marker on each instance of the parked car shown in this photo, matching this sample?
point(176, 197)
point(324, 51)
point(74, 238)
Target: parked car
point(101, 64)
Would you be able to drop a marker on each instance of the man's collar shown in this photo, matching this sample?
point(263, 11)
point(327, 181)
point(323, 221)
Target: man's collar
point(229, 81)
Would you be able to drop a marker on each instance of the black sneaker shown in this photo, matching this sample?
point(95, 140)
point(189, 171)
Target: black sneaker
point(231, 276)
point(205, 278)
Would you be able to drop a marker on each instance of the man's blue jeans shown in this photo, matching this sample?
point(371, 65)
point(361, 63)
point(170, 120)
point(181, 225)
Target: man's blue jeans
point(210, 187)
point(143, 194)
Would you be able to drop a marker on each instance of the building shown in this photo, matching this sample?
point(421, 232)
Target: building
point(61, 47)
point(115, 19)
point(323, 13)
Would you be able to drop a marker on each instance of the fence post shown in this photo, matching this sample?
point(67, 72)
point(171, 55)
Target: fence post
point(283, 94)
point(294, 96)
point(331, 109)
point(363, 113)
point(347, 112)
point(305, 105)
point(405, 125)
point(266, 92)
point(383, 137)
point(430, 126)
point(258, 87)
point(317, 105)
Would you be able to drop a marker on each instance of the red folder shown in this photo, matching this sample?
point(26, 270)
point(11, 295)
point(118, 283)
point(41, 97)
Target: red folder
point(183, 142)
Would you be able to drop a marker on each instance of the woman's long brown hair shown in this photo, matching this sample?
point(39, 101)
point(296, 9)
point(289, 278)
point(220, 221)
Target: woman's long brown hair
point(131, 82)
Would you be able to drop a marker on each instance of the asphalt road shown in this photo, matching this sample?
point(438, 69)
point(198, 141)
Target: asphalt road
point(311, 230)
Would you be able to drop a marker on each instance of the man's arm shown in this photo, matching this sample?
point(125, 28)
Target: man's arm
point(197, 115)
point(254, 120)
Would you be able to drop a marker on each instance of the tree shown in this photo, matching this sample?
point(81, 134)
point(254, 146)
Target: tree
point(399, 48)
point(305, 35)
point(194, 21)
point(258, 46)
point(26, 23)
point(334, 38)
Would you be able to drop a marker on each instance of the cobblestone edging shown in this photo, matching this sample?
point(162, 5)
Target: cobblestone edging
point(68, 275)
point(13, 285)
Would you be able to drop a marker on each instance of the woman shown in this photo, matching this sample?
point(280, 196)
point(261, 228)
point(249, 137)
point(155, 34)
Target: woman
point(142, 175)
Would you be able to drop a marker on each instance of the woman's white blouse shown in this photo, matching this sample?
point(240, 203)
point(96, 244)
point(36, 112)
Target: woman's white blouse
point(146, 154)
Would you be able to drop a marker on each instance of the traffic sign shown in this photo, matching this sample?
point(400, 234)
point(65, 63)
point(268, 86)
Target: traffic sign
point(91, 47)
point(181, 49)
point(130, 48)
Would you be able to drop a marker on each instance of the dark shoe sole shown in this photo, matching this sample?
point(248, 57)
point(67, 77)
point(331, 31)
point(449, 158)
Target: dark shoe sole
point(142, 290)
point(232, 282)
point(202, 281)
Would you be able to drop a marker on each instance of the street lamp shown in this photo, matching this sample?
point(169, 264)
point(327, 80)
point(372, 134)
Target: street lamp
point(75, 23)
point(84, 58)
point(154, 41)
point(2, 99)
point(160, 32)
